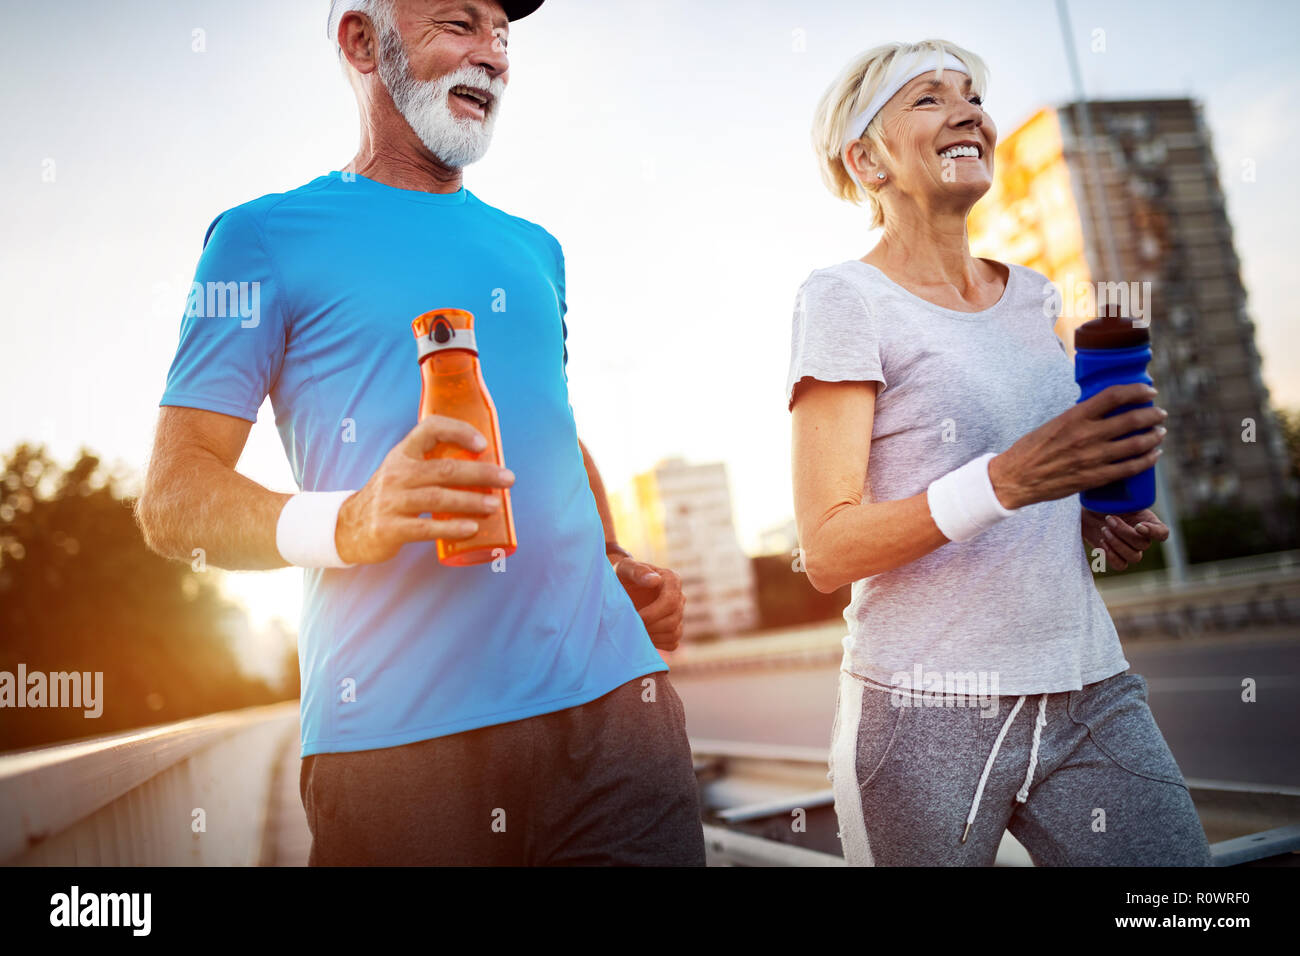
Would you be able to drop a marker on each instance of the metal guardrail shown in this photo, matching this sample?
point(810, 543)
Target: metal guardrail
point(1280, 565)
point(1244, 594)
point(1256, 565)
point(1257, 846)
point(723, 847)
point(777, 808)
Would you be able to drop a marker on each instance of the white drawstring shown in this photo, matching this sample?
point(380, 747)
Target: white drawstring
point(1023, 793)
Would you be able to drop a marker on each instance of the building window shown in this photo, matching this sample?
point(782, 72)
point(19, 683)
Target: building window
point(1151, 153)
point(1137, 125)
point(1148, 247)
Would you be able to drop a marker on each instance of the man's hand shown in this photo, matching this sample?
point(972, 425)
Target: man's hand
point(385, 514)
point(1123, 537)
point(657, 595)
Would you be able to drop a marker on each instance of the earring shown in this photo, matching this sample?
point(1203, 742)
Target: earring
point(880, 175)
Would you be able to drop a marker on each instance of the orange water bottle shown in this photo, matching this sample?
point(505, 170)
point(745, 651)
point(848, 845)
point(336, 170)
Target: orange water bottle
point(451, 384)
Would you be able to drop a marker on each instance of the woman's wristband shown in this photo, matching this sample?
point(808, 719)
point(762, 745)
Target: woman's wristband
point(963, 502)
point(304, 533)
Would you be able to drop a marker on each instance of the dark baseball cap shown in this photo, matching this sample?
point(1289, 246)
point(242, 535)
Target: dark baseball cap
point(518, 9)
point(515, 10)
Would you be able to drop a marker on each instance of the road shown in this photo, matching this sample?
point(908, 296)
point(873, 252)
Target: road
point(1195, 694)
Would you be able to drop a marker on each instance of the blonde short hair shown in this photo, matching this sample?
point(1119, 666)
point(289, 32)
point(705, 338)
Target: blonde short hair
point(849, 95)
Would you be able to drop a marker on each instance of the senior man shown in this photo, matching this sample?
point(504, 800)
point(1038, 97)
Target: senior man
point(514, 712)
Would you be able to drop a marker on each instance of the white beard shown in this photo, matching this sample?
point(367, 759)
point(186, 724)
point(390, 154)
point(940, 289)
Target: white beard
point(456, 141)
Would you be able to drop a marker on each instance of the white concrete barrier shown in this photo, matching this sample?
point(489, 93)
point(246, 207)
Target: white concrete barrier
point(191, 793)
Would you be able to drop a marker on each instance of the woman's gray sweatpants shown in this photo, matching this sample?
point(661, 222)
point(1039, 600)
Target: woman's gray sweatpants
point(1104, 788)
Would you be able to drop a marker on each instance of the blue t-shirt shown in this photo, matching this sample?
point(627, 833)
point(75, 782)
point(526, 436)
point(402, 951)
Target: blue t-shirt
point(308, 296)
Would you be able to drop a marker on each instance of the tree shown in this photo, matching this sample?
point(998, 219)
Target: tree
point(80, 591)
point(786, 599)
point(1289, 420)
point(1221, 532)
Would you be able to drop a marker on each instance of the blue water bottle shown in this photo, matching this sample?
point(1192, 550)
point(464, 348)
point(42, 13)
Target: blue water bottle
point(1113, 351)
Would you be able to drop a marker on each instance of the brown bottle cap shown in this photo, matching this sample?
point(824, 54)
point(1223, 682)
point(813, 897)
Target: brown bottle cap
point(1111, 331)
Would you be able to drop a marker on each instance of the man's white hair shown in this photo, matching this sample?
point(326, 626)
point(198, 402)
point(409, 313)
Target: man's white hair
point(382, 14)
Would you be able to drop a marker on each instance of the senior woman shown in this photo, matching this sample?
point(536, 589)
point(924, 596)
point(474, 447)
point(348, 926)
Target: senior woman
point(938, 452)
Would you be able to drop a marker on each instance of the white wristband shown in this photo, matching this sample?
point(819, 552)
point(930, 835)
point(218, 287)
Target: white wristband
point(304, 535)
point(963, 503)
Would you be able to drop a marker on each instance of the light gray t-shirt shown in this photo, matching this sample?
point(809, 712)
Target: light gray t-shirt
point(1016, 604)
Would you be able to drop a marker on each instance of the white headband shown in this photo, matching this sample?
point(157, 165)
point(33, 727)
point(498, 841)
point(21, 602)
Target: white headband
point(901, 72)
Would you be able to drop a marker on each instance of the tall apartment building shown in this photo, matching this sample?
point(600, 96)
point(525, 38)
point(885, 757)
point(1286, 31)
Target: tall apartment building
point(678, 516)
point(1159, 190)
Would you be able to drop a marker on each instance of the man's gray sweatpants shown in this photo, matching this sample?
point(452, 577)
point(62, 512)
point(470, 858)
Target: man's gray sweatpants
point(1104, 789)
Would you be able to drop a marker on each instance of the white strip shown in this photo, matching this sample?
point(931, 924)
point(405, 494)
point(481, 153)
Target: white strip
point(460, 339)
point(304, 533)
point(963, 503)
point(844, 773)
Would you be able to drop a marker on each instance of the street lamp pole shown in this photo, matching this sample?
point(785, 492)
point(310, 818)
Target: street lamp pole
point(1175, 555)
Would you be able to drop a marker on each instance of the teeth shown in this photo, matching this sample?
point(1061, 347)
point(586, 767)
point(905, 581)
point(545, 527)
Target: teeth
point(956, 151)
point(471, 93)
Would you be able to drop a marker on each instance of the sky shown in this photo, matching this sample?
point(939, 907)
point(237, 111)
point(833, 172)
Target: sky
point(665, 144)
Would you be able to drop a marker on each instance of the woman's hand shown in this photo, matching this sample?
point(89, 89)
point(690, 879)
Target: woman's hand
point(1123, 537)
point(1081, 449)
